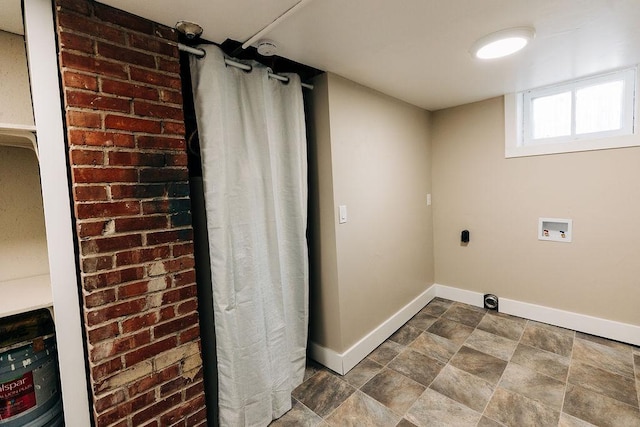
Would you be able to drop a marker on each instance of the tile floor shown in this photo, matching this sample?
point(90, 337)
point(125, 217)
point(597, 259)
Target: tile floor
point(458, 365)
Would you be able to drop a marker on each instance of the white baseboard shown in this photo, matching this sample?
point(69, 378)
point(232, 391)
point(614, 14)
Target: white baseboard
point(344, 362)
point(565, 319)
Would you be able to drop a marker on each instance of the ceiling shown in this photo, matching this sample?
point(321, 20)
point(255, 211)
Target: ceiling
point(418, 50)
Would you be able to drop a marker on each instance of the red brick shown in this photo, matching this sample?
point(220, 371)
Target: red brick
point(171, 97)
point(87, 157)
point(169, 65)
point(159, 111)
point(88, 229)
point(178, 189)
point(165, 32)
point(108, 331)
point(150, 351)
point(106, 175)
point(137, 191)
point(167, 313)
point(173, 128)
point(90, 27)
point(178, 159)
point(163, 174)
point(93, 65)
point(156, 409)
point(129, 158)
point(175, 325)
point(171, 387)
point(178, 414)
point(123, 19)
point(170, 81)
point(139, 322)
point(105, 402)
point(111, 244)
point(98, 298)
point(95, 264)
point(189, 335)
point(97, 102)
point(153, 44)
point(106, 209)
point(132, 290)
point(165, 206)
point(79, 6)
point(187, 306)
point(182, 249)
point(160, 142)
point(179, 264)
point(181, 294)
point(126, 55)
point(113, 277)
point(142, 255)
point(185, 278)
point(198, 419)
point(80, 81)
point(132, 124)
point(153, 380)
point(83, 119)
point(169, 236)
point(75, 42)
point(129, 90)
point(90, 193)
point(103, 139)
point(141, 223)
point(101, 315)
point(105, 369)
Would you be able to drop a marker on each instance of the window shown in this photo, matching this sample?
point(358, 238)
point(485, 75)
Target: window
point(587, 114)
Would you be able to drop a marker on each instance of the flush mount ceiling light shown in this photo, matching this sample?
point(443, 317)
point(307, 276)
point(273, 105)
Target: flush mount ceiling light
point(502, 43)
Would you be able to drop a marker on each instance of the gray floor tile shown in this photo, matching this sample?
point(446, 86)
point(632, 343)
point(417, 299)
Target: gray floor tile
point(417, 366)
point(488, 422)
point(541, 336)
point(298, 416)
point(362, 372)
point(432, 409)
point(506, 328)
point(614, 360)
point(464, 314)
point(386, 352)
point(361, 410)
point(533, 385)
point(435, 346)
point(393, 390)
point(323, 393)
point(542, 361)
point(405, 423)
point(436, 307)
point(604, 382)
point(480, 364)
point(405, 335)
point(454, 331)
point(515, 410)
point(492, 344)
point(422, 321)
point(567, 420)
point(463, 387)
point(598, 409)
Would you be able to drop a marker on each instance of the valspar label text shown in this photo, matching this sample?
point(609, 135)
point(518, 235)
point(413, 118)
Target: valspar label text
point(16, 396)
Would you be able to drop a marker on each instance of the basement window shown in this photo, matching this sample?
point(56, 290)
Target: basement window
point(588, 114)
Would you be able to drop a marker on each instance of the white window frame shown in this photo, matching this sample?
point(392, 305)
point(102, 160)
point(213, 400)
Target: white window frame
point(516, 108)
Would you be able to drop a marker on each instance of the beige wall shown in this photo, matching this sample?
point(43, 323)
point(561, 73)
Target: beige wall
point(374, 157)
point(23, 247)
point(15, 96)
point(499, 200)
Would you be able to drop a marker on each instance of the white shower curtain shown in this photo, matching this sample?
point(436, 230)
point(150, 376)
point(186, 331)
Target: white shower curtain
point(254, 164)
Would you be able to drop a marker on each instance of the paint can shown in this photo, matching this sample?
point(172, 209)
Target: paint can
point(29, 375)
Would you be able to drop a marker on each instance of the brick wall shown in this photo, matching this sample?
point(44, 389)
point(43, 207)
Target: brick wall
point(128, 163)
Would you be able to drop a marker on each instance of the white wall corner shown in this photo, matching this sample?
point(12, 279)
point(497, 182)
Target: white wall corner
point(342, 363)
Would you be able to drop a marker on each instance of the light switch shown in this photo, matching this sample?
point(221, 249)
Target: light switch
point(429, 199)
point(342, 218)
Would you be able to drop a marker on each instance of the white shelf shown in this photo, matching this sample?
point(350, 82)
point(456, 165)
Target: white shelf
point(25, 294)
